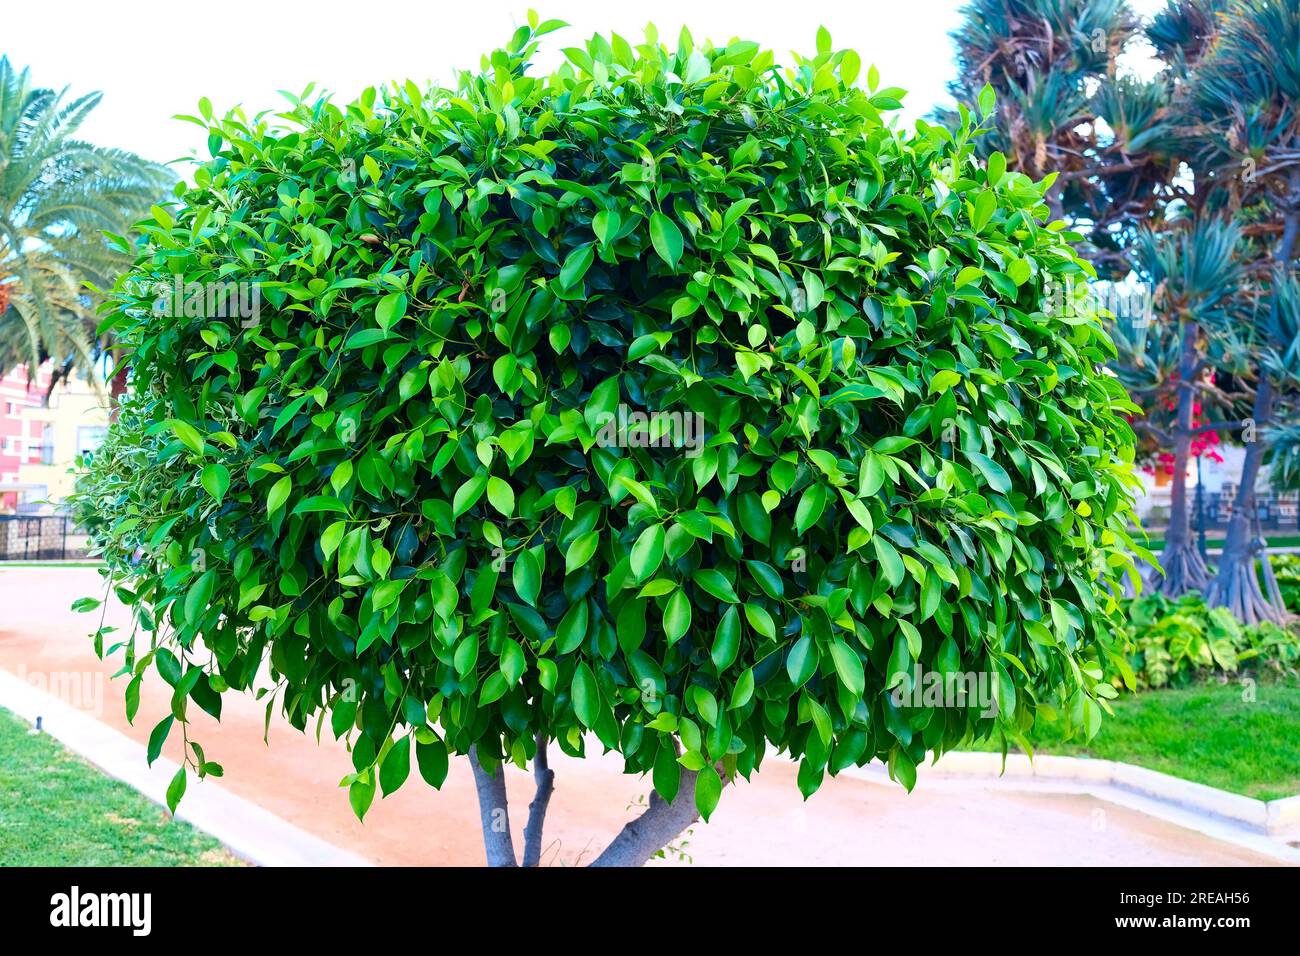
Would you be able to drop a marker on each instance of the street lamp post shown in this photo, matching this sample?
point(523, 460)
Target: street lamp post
point(1200, 512)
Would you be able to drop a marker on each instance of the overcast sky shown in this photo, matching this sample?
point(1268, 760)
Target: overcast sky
point(154, 59)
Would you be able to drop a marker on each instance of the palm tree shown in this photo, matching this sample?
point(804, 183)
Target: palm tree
point(1067, 109)
point(1212, 137)
point(1242, 108)
point(58, 195)
point(1064, 110)
point(1154, 360)
point(1198, 271)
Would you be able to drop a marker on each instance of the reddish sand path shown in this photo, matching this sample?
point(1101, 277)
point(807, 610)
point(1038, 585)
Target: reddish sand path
point(849, 822)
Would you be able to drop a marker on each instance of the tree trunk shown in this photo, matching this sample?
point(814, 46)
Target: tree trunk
point(658, 826)
point(494, 812)
point(1237, 585)
point(545, 780)
point(635, 844)
point(117, 384)
point(1184, 569)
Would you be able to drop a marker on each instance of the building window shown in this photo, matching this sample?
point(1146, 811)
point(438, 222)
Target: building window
point(90, 437)
point(47, 444)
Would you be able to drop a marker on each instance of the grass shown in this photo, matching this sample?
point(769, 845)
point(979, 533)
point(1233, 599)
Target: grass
point(1212, 541)
point(58, 810)
point(1206, 734)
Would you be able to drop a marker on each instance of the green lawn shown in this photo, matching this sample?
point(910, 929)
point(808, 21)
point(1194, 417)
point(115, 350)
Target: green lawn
point(1205, 733)
point(1211, 541)
point(58, 810)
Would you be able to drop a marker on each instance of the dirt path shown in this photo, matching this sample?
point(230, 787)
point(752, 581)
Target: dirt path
point(849, 822)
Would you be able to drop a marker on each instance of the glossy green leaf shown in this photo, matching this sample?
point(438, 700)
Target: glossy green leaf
point(667, 239)
point(586, 695)
point(708, 790)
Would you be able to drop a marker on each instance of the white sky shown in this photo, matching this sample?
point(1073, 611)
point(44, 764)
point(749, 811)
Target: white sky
point(154, 59)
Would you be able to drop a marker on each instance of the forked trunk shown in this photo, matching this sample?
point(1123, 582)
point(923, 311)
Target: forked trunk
point(636, 843)
point(1237, 585)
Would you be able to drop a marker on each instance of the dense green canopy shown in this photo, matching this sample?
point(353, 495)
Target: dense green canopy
point(398, 485)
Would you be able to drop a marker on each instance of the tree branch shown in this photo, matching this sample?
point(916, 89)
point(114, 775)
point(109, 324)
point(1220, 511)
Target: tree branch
point(1232, 425)
point(494, 813)
point(545, 778)
point(1167, 437)
point(661, 822)
point(1160, 435)
point(1091, 171)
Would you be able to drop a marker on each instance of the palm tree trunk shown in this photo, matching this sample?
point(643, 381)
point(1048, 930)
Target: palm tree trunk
point(1184, 569)
point(1053, 197)
point(117, 383)
point(1237, 586)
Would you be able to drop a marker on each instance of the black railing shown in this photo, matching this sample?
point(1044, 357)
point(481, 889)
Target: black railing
point(1276, 512)
point(39, 538)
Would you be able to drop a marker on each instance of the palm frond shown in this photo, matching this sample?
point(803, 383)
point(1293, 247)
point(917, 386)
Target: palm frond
point(1195, 270)
point(58, 195)
point(1183, 31)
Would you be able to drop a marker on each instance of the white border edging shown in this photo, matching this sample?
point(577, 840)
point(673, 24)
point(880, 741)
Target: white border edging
point(1284, 817)
point(248, 830)
point(1151, 783)
point(1253, 824)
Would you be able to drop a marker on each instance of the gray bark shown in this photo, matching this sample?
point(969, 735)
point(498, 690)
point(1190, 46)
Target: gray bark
point(494, 813)
point(635, 844)
point(545, 779)
point(1181, 562)
point(1236, 587)
point(654, 829)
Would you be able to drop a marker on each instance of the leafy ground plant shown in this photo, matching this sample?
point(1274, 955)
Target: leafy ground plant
point(675, 402)
point(1178, 642)
point(1286, 569)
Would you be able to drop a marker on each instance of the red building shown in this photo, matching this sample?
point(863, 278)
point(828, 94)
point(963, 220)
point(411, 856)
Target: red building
point(21, 438)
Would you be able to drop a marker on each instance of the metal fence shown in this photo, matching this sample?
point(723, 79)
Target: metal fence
point(1275, 512)
point(40, 538)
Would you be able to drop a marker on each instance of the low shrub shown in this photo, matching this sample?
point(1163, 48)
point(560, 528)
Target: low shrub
point(1286, 569)
point(1174, 643)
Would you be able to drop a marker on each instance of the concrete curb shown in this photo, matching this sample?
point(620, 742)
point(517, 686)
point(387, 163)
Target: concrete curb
point(245, 828)
point(1272, 817)
point(1265, 826)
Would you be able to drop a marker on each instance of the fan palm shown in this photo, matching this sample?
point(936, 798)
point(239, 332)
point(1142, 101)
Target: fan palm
point(58, 195)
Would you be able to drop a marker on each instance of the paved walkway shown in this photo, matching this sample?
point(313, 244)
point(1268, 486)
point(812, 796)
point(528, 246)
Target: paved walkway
point(848, 822)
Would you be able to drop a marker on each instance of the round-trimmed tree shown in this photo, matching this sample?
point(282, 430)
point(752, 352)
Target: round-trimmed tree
point(673, 403)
